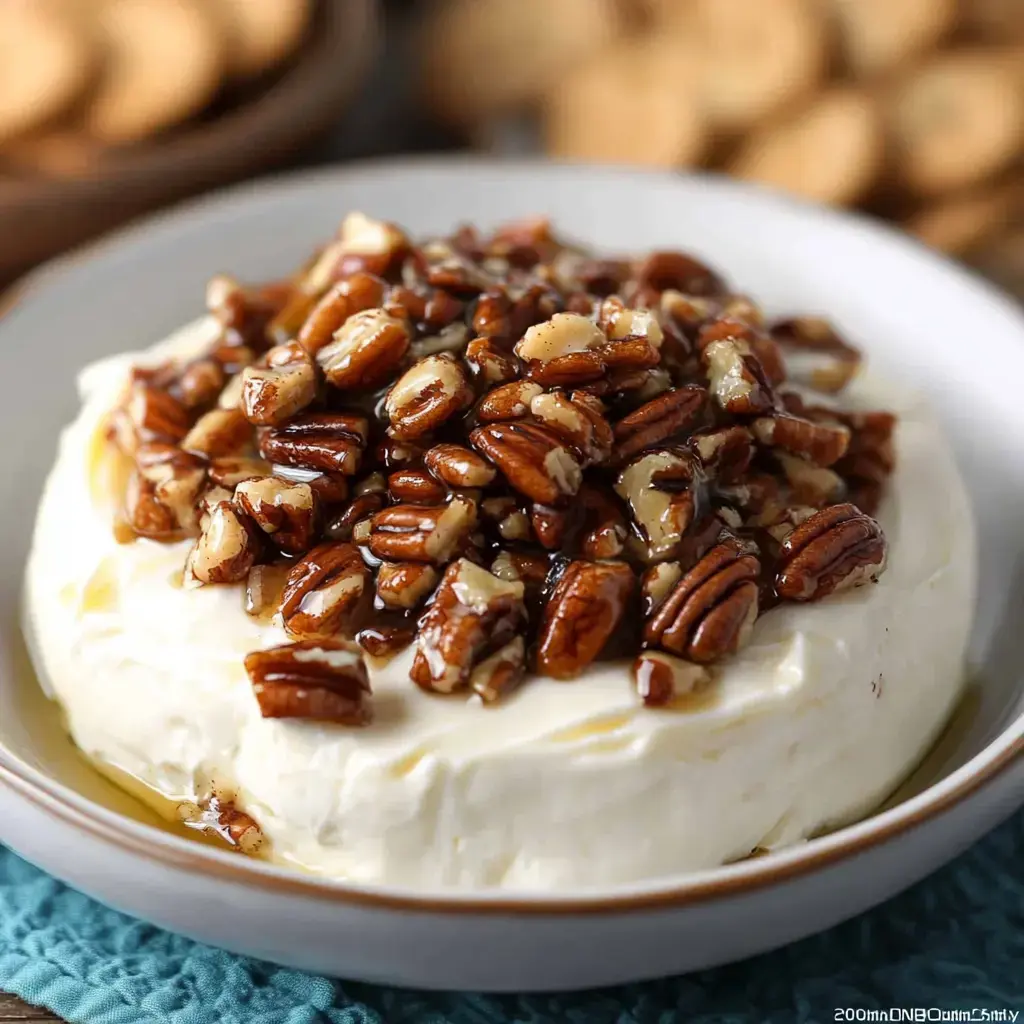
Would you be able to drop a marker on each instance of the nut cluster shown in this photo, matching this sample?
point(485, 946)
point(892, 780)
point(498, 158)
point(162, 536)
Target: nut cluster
point(509, 453)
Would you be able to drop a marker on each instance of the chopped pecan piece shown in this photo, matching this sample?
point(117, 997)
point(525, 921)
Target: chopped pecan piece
point(711, 610)
point(285, 511)
point(231, 470)
point(489, 362)
point(426, 395)
point(219, 432)
point(584, 610)
point(155, 414)
point(725, 453)
point(472, 612)
point(363, 244)
point(279, 388)
point(660, 678)
point(809, 484)
point(313, 679)
point(497, 676)
point(604, 525)
point(146, 514)
point(676, 270)
point(361, 508)
point(820, 443)
point(200, 383)
point(508, 402)
point(834, 550)
point(815, 354)
point(177, 478)
point(227, 548)
point(264, 586)
point(329, 442)
point(490, 315)
point(533, 460)
point(737, 378)
point(658, 420)
point(577, 422)
point(549, 525)
point(346, 298)
point(405, 584)
point(563, 350)
point(322, 590)
point(657, 583)
point(416, 533)
point(416, 487)
point(366, 351)
point(458, 466)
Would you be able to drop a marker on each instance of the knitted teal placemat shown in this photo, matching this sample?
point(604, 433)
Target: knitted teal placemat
point(956, 941)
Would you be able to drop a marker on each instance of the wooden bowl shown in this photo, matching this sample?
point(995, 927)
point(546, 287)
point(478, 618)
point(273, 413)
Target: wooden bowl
point(40, 217)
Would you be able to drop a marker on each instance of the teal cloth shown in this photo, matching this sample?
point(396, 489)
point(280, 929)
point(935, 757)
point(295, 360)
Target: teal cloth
point(956, 941)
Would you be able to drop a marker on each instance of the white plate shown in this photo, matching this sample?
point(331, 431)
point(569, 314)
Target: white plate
point(917, 316)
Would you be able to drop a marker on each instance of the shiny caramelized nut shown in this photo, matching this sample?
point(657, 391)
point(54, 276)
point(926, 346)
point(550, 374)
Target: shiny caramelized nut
point(661, 488)
point(227, 547)
point(744, 309)
point(322, 590)
point(498, 675)
point(660, 678)
point(711, 610)
point(618, 323)
point(584, 610)
point(604, 525)
point(405, 584)
point(451, 339)
point(531, 570)
point(263, 588)
point(490, 317)
point(200, 383)
point(576, 422)
point(416, 487)
point(657, 583)
point(508, 402)
point(516, 526)
point(284, 386)
point(567, 348)
point(219, 432)
point(458, 466)
point(364, 505)
point(284, 511)
point(363, 244)
point(658, 420)
point(533, 460)
point(834, 550)
point(343, 300)
point(366, 351)
point(489, 362)
point(809, 484)
point(329, 442)
point(549, 525)
point(725, 453)
point(177, 478)
point(820, 443)
point(737, 380)
point(472, 611)
point(146, 514)
point(663, 270)
point(319, 680)
point(231, 470)
point(417, 533)
point(156, 415)
point(426, 395)
point(815, 354)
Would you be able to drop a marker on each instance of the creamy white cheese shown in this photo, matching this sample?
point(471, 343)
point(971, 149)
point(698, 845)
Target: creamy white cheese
point(564, 785)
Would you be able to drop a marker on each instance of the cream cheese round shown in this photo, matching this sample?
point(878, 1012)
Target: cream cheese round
point(564, 785)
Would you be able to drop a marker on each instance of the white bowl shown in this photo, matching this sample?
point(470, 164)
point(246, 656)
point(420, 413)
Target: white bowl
point(918, 317)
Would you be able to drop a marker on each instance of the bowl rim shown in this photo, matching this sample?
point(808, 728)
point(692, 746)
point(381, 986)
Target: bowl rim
point(1004, 752)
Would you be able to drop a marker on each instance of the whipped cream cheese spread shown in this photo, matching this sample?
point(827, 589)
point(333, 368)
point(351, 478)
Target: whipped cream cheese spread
point(563, 785)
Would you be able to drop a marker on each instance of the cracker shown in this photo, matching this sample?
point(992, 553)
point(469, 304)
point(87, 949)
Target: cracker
point(955, 121)
point(630, 104)
point(962, 222)
point(831, 151)
point(262, 33)
point(45, 66)
point(164, 63)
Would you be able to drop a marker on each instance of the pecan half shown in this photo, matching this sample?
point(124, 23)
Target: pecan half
point(711, 610)
point(834, 550)
point(563, 350)
point(366, 350)
point(313, 679)
point(658, 420)
point(663, 270)
point(283, 386)
point(219, 432)
point(405, 584)
point(472, 612)
point(200, 383)
point(417, 533)
point(489, 362)
point(361, 508)
point(549, 525)
point(329, 442)
point(508, 402)
point(533, 460)
point(346, 298)
point(155, 414)
point(660, 678)
point(458, 466)
point(322, 590)
point(497, 676)
point(416, 487)
point(426, 395)
point(227, 547)
point(285, 511)
point(584, 610)
point(820, 443)
point(579, 421)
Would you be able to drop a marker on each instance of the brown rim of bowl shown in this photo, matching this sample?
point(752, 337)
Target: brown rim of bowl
point(184, 854)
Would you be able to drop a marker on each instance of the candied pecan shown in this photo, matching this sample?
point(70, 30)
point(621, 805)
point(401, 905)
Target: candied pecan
point(227, 548)
point(279, 388)
point(584, 610)
point(200, 383)
point(263, 588)
point(458, 466)
point(497, 676)
point(146, 514)
point(604, 525)
point(354, 294)
point(870, 458)
point(810, 484)
point(820, 443)
point(366, 350)
point(322, 590)
point(391, 453)
point(231, 470)
point(725, 453)
point(219, 432)
point(155, 414)
point(657, 583)
point(318, 680)
point(622, 324)
point(285, 511)
point(472, 612)
point(490, 315)
point(416, 487)
point(243, 313)
point(565, 349)
point(405, 584)
point(816, 355)
point(549, 525)
point(660, 678)
point(508, 401)
point(450, 339)
point(742, 308)
point(417, 533)
point(445, 267)
point(711, 610)
point(426, 395)
point(512, 522)
point(737, 378)
point(363, 244)
point(385, 641)
point(662, 488)
point(177, 478)
point(658, 420)
point(531, 570)
point(362, 507)
point(837, 548)
point(578, 422)
point(330, 442)
point(489, 362)
point(533, 460)
point(663, 270)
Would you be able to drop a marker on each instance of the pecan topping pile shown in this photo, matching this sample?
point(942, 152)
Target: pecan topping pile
point(509, 453)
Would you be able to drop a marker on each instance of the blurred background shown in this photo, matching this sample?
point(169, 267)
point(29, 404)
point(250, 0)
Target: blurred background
point(911, 110)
